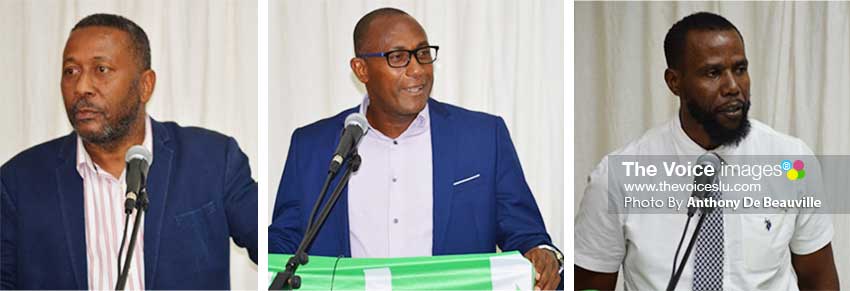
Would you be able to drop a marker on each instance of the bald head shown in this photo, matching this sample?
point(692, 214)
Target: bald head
point(397, 93)
point(370, 27)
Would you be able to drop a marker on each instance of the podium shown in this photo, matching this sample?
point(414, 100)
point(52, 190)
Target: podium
point(498, 271)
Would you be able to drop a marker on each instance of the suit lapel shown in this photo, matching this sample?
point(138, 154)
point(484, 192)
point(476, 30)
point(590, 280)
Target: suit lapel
point(157, 187)
point(443, 151)
point(71, 205)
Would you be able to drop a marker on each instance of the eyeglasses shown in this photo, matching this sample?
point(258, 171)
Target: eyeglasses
point(401, 58)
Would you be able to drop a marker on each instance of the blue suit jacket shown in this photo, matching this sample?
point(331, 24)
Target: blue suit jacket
point(474, 217)
point(201, 194)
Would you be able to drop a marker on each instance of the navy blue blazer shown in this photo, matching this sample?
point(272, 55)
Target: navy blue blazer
point(495, 209)
point(201, 194)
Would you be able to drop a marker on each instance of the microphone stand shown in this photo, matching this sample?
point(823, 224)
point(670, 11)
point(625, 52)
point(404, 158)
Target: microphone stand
point(674, 279)
point(141, 207)
point(287, 280)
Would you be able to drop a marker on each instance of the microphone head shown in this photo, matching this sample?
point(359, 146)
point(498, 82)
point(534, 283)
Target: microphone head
point(354, 130)
point(359, 120)
point(138, 152)
point(709, 159)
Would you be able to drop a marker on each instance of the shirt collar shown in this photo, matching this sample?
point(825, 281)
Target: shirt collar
point(84, 160)
point(420, 125)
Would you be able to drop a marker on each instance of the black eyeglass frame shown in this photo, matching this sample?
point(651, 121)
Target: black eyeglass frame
point(410, 53)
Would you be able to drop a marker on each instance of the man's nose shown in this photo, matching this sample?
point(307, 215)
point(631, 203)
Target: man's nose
point(83, 86)
point(729, 85)
point(414, 68)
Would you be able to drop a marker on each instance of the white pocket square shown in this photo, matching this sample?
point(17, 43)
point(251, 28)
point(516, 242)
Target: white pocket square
point(466, 180)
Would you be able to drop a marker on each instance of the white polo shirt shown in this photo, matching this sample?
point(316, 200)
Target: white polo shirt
point(756, 258)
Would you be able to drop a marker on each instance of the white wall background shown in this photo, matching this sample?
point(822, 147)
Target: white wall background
point(799, 56)
point(500, 57)
point(204, 54)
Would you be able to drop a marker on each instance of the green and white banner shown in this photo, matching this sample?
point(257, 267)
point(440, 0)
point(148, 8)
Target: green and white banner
point(502, 271)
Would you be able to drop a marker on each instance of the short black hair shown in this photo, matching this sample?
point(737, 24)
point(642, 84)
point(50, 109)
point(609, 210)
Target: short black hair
point(141, 46)
point(674, 42)
point(362, 26)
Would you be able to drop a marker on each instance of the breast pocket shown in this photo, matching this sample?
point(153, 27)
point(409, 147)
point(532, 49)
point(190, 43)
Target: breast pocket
point(466, 182)
point(765, 240)
point(470, 211)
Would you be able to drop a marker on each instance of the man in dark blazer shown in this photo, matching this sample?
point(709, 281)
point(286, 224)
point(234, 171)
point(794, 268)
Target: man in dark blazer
point(57, 233)
point(435, 179)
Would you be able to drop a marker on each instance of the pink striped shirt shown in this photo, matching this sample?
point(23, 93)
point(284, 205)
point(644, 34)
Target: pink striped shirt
point(104, 217)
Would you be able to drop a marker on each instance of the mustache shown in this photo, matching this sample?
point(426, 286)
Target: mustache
point(744, 104)
point(85, 104)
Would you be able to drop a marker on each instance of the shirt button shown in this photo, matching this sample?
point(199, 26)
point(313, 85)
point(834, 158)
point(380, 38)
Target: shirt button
point(395, 142)
point(394, 179)
point(395, 220)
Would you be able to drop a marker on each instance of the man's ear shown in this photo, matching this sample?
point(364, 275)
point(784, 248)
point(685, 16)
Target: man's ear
point(147, 82)
point(358, 67)
point(671, 77)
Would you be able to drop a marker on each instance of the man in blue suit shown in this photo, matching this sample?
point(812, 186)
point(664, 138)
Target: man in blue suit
point(62, 201)
point(436, 179)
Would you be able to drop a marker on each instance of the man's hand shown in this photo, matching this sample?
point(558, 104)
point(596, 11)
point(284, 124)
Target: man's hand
point(547, 266)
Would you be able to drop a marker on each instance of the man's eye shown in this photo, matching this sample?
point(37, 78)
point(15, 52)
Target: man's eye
point(102, 69)
point(712, 73)
point(396, 57)
point(69, 71)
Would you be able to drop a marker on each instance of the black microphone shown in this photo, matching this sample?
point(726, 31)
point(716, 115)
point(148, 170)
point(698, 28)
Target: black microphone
point(356, 127)
point(138, 161)
point(702, 182)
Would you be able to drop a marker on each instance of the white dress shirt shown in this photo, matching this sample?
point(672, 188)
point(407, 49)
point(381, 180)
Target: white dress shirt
point(390, 198)
point(756, 257)
point(103, 197)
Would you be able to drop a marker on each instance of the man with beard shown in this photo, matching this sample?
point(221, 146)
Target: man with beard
point(436, 179)
point(707, 69)
point(63, 200)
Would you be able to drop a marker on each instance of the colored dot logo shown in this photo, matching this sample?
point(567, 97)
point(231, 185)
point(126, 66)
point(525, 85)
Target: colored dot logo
point(786, 165)
point(794, 169)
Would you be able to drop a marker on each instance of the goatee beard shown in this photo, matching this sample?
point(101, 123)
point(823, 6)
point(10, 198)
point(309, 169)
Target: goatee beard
point(112, 132)
point(719, 134)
